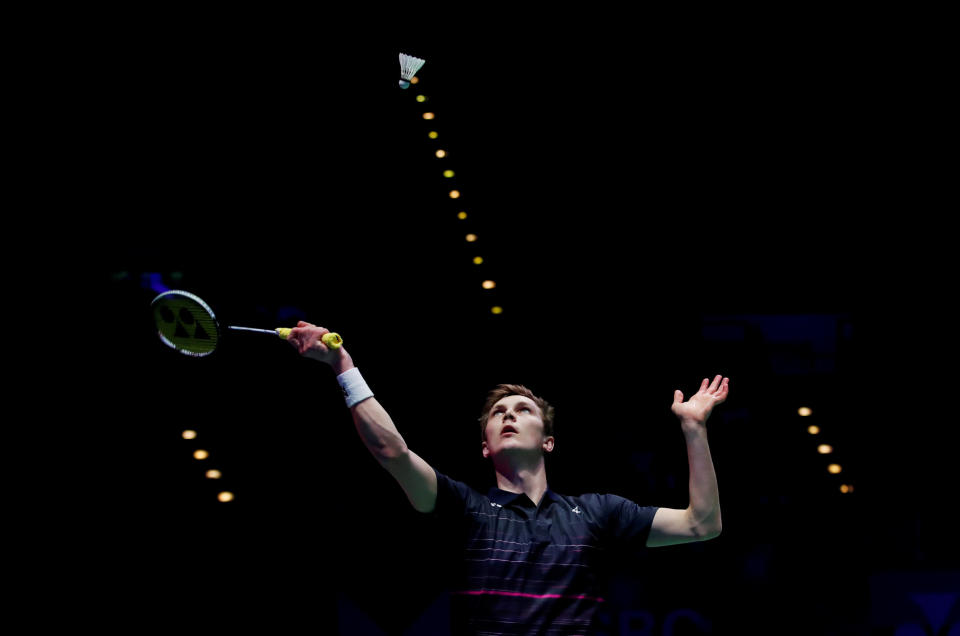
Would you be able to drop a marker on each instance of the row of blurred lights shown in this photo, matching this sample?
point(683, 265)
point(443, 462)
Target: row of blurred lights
point(203, 455)
point(825, 449)
point(155, 281)
point(454, 194)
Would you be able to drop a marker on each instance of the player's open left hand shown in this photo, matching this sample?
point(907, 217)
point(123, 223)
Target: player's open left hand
point(697, 409)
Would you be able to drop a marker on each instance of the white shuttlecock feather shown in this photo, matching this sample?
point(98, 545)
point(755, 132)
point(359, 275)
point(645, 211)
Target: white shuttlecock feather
point(409, 65)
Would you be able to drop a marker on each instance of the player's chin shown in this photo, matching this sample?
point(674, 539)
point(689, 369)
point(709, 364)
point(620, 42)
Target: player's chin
point(509, 446)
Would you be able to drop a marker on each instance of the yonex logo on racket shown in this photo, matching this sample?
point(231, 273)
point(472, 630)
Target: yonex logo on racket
point(184, 319)
point(185, 323)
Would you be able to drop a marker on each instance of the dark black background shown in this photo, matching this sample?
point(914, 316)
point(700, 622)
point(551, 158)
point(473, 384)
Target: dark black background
point(630, 189)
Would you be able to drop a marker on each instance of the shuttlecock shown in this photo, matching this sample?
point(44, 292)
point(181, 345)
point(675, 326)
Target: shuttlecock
point(409, 66)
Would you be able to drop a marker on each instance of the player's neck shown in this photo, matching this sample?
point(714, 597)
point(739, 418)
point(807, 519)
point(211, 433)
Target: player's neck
point(530, 480)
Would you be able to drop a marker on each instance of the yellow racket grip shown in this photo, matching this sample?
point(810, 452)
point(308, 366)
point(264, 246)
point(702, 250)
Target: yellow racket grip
point(332, 340)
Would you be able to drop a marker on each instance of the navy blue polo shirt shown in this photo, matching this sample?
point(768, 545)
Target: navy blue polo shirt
point(530, 568)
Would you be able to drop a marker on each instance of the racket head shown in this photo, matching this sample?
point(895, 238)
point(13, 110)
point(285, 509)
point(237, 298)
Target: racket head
point(185, 323)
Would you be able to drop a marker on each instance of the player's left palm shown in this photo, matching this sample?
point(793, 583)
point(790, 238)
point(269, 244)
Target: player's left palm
point(700, 405)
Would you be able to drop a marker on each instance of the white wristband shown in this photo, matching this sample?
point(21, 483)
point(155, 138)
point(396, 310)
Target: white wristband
point(355, 390)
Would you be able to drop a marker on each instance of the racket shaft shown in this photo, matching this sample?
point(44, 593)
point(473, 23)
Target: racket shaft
point(269, 331)
point(332, 340)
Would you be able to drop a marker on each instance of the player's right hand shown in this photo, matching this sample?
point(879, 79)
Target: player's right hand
point(305, 338)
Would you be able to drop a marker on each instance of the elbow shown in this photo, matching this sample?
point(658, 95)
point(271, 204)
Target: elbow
point(704, 533)
point(386, 448)
point(708, 528)
point(392, 453)
point(711, 530)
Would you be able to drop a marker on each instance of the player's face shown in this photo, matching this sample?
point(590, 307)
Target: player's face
point(515, 424)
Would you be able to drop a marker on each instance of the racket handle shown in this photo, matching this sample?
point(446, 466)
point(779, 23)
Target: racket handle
point(332, 340)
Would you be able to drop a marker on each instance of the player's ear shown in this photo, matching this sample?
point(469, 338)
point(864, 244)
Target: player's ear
point(548, 444)
point(486, 451)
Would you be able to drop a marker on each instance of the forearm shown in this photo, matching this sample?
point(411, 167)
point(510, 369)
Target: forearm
point(373, 423)
point(377, 430)
point(380, 436)
point(704, 508)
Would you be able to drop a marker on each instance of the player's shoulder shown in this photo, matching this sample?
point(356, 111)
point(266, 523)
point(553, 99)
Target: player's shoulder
point(451, 489)
point(597, 505)
point(604, 505)
point(598, 499)
point(618, 518)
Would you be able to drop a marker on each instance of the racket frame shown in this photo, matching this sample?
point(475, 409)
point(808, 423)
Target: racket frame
point(204, 306)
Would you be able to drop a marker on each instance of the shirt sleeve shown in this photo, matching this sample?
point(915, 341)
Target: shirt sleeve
point(628, 524)
point(454, 498)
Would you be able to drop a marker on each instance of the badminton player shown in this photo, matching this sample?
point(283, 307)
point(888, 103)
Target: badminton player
point(533, 560)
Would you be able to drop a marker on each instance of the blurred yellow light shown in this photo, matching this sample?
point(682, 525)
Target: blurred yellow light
point(489, 284)
point(846, 488)
point(804, 411)
point(433, 134)
point(461, 215)
point(496, 310)
point(471, 238)
point(225, 496)
point(214, 474)
point(200, 454)
point(813, 430)
point(428, 115)
point(421, 98)
point(834, 469)
point(824, 449)
point(441, 154)
point(454, 194)
point(448, 173)
point(477, 260)
point(189, 435)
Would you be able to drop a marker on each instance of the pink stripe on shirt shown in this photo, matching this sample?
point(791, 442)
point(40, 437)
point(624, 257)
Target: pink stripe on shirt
point(525, 595)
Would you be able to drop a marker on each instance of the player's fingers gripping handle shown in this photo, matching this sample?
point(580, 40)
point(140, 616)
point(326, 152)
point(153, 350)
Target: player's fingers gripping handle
point(332, 340)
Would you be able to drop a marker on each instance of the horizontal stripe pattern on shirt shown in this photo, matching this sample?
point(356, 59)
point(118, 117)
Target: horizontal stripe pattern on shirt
point(533, 568)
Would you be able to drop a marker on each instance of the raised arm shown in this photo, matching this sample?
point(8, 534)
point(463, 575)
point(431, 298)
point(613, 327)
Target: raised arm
point(701, 519)
point(373, 423)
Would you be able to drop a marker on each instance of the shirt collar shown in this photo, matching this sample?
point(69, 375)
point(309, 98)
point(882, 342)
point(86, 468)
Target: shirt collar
point(504, 497)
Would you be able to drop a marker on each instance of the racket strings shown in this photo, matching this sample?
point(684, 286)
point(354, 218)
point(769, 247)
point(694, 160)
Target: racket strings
point(185, 323)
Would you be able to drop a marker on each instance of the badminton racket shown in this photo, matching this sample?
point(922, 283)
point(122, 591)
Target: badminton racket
point(188, 325)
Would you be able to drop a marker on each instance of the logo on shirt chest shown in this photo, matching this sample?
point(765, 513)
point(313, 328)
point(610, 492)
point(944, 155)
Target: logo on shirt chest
point(576, 510)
